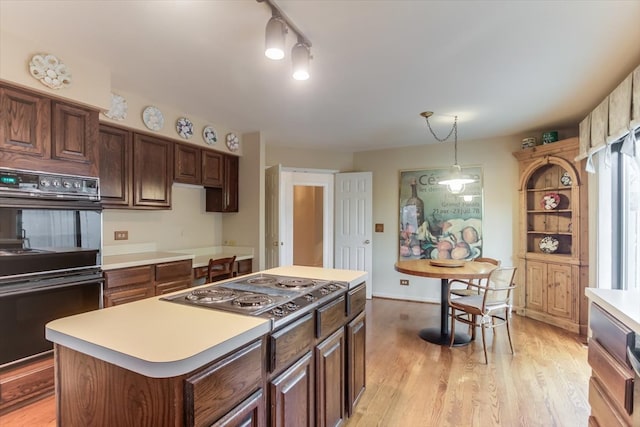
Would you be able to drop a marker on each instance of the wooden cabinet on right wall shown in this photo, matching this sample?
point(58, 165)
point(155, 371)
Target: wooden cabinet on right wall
point(553, 237)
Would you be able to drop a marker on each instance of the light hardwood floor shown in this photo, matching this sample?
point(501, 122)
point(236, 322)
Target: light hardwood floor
point(411, 382)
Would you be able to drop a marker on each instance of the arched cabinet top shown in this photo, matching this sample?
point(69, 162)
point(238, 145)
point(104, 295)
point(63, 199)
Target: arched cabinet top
point(534, 166)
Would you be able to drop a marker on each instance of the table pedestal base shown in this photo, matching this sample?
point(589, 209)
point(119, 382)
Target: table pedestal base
point(433, 335)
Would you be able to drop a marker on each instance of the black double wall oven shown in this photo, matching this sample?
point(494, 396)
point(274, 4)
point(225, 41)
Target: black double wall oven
point(50, 261)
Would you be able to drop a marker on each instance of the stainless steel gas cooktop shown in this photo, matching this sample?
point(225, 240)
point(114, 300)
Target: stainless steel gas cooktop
point(279, 298)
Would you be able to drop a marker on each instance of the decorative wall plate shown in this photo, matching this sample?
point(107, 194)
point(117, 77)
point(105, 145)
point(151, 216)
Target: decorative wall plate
point(565, 179)
point(233, 142)
point(209, 134)
point(550, 201)
point(184, 127)
point(50, 71)
point(119, 107)
point(153, 118)
point(548, 244)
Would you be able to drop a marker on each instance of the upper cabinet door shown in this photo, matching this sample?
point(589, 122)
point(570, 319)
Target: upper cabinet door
point(152, 171)
point(25, 125)
point(115, 166)
point(74, 133)
point(187, 167)
point(231, 166)
point(212, 168)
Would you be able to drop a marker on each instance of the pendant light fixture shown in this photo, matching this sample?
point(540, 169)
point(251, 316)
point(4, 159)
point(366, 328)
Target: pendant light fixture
point(455, 180)
point(275, 38)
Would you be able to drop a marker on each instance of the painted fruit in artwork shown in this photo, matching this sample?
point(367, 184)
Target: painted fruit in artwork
point(470, 235)
point(461, 251)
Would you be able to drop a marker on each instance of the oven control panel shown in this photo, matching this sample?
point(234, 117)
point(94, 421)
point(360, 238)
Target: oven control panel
point(14, 182)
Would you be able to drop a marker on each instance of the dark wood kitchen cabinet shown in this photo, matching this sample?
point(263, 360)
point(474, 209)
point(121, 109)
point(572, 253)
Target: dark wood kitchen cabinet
point(292, 395)
point(123, 285)
point(225, 198)
point(330, 376)
point(136, 170)
point(213, 164)
point(114, 150)
point(38, 132)
point(152, 171)
point(187, 167)
point(356, 350)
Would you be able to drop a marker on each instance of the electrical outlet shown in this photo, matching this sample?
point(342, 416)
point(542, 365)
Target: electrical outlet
point(404, 282)
point(120, 235)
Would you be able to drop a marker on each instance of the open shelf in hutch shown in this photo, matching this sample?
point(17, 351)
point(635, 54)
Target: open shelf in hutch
point(557, 222)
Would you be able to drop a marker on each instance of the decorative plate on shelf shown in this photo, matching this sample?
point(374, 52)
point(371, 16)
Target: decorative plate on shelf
point(118, 110)
point(233, 142)
point(209, 134)
point(548, 244)
point(50, 71)
point(565, 179)
point(153, 118)
point(550, 201)
point(184, 127)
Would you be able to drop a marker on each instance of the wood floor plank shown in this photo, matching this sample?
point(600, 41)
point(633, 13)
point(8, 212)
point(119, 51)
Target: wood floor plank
point(411, 382)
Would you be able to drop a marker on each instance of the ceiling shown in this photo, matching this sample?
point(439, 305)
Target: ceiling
point(504, 67)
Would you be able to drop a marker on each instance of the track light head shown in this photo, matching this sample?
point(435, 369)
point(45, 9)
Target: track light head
point(274, 38)
point(300, 56)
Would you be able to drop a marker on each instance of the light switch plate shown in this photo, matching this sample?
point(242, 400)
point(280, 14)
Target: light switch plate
point(120, 235)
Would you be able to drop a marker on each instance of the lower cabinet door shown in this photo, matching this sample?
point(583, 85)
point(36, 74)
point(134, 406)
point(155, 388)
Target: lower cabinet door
point(291, 395)
point(330, 386)
point(356, 354)
point(250, 413)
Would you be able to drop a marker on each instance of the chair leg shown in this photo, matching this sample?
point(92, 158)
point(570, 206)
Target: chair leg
point(474, 319)
point(484, 344)
point(506, 316)
point(453, 327)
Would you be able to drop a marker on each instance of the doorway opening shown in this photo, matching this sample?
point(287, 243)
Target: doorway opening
point(308, 212)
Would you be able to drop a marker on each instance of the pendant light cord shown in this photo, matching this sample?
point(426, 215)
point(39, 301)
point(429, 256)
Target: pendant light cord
point(454, 131)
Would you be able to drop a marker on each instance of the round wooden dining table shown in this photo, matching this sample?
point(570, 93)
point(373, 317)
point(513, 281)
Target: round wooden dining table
point(468, 271)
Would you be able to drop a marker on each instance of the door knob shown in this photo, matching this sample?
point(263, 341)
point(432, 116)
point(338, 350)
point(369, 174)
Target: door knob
point(366, 242)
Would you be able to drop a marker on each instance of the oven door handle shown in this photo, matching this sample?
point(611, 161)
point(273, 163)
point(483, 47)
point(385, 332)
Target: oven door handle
point(31, 289)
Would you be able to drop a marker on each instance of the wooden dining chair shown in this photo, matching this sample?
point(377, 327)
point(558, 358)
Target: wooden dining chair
point(468, 289)
point(488, 309)
point(220, 268)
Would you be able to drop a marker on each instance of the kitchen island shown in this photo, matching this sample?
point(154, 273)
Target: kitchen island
point(152, 362)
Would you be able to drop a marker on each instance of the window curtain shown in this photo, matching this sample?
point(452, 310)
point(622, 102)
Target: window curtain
point(616, 118)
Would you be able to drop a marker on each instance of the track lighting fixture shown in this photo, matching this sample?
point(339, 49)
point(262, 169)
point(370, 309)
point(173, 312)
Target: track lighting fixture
point(275, 35)
point(274, 38)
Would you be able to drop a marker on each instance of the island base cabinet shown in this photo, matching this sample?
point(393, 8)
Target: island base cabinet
point(356, 362)
point(90, 391)
point(330, 386)
point(250, 413)
point(291, 395)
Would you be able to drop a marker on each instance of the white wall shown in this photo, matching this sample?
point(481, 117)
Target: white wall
point(500, 173)
point(306, 158)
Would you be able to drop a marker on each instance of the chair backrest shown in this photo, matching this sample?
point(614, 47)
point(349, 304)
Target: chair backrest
point(221, 268)
point(489, 260)
point(499, 285)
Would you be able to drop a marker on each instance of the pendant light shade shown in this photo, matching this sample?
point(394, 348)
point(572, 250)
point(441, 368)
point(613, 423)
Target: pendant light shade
point(300, 60)
point(274, 38)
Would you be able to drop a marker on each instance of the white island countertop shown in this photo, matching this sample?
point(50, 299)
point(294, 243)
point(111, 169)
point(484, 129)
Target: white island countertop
point(161, 339)
point(623, 305)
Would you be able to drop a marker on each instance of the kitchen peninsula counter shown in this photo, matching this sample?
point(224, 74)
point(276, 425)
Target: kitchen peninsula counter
point(623, 305)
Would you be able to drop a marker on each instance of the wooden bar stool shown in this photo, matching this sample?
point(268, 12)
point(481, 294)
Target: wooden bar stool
point(220, 269)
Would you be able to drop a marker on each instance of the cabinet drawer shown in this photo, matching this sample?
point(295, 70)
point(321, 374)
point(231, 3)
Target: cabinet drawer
point(356, 299)
point(610, 333)
point(173, 271)
point(330, 317)
point(124, 296)
point(129, 276)
point(602, 409)
point(290, 342)
point(178, 285)
point(616, 379)
point(214, 391)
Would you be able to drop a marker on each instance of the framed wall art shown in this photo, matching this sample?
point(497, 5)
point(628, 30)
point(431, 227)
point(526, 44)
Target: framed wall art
point(435, 223)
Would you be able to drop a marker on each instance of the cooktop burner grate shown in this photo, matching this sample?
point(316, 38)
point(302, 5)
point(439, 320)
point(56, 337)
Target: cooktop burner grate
point(212, 295)
point(262, 280)
point(296, 283)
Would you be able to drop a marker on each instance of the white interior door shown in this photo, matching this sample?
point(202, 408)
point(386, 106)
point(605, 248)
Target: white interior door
point(273, 201)
point(353, 221)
